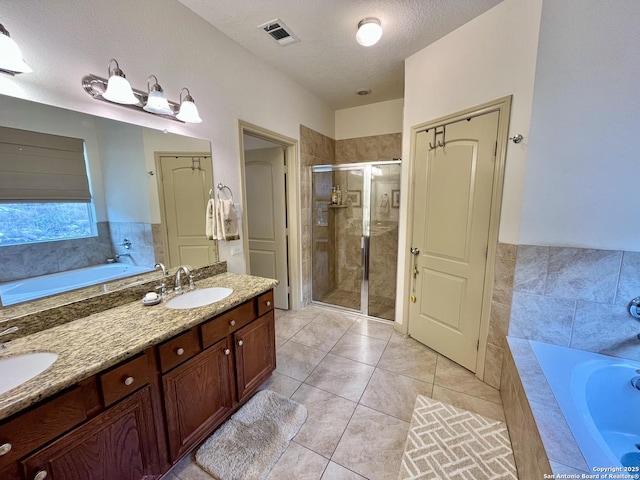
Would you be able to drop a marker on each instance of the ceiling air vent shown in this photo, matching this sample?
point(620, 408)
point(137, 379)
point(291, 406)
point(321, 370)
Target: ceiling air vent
point(279, 32)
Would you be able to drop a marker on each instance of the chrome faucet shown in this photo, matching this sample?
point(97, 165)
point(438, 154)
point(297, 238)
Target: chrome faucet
point(7, 332)
point(161, 266)
point(178, 278)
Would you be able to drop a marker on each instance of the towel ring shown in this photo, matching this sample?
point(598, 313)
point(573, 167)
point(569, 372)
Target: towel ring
point(222, 187)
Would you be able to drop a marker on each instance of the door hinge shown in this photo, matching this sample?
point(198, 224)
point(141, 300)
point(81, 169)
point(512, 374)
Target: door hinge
point(495, 149)
point(478, 345)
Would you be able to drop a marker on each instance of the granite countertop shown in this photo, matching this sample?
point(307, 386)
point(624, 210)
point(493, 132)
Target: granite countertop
point(91, 344)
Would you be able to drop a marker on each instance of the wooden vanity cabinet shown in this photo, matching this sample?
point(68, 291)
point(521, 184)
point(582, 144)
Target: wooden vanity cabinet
point(255, 354)
point(118, 444)
point(198, 395)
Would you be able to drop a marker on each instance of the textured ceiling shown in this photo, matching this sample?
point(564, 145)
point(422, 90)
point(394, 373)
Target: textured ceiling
point(328, 61)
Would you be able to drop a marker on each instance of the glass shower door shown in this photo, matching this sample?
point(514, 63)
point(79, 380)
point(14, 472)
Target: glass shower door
point(337, 236)
point(355, 241)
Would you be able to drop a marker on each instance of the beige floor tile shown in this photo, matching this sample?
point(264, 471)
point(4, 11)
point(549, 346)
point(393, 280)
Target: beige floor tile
point(397, 337)
point(281, 384)
point(372, 445)
point(187, 469)
point(298, 463)
point(319, 335)
point(327, 418)
point(417, 362)
point(452, 376)
point(473, 404)
point(288, 325)
point(341, 376)
point(372, 328)
point(336, 319)
point(171, 476)
point(394, 394)
point(338, 472)
point(360, 348)
point(297, 361)
point(280, 341)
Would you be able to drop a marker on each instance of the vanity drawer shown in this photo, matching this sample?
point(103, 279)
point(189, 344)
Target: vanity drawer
point(265, 303)
point(175, 351)
point(124, 379)
point(227, 323)
point(28, 431)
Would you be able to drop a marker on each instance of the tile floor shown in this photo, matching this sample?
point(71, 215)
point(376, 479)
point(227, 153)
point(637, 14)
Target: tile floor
point(358, 379)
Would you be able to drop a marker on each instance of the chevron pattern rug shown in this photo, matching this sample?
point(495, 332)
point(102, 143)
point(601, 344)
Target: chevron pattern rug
point(448, 443)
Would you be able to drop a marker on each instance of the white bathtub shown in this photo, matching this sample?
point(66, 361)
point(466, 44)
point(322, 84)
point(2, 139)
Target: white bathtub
point(37, 287)
point(599, 402)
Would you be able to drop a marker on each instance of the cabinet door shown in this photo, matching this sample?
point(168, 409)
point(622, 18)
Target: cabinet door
point(198, 397)
point(255, 347)
point(118, 444)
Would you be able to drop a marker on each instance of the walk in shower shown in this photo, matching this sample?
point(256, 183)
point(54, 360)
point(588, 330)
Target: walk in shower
point(355, 240)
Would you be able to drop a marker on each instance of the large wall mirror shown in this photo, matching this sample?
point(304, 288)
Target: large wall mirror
point(149, 191)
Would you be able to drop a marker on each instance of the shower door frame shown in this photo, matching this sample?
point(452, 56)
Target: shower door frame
point(365, 241)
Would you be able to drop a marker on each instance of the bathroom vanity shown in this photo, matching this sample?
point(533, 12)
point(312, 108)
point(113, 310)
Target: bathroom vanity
point(136, 388)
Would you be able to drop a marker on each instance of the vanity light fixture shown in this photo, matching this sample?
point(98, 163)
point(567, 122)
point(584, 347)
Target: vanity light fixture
point(118, 87)
point(369, 31)
point(188, 110)
point(152, 101)
point(156, 99)
point(11, 60)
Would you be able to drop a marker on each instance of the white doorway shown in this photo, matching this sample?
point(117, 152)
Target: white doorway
point(457, 172)
point(269, 178)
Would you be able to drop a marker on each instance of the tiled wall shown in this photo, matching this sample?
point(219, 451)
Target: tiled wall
point(577, 298)
point(315, 149)
point(505, 264)
point(528, 449)
point(142, 242)
point(368, 149)
point(35, 259)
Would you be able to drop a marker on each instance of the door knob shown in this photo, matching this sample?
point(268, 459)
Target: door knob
point(415, 251)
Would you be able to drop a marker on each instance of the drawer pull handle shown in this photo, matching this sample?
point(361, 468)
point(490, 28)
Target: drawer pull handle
point(41, 475)
point(127, 381)
point(5, 448)
point(240, 343)
point(268, 303)
point(232, 323)
point(227, 351)
point(180, 351)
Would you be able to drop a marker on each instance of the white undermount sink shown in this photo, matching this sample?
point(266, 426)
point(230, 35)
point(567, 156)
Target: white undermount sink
point(199, 298)
point(14, 371)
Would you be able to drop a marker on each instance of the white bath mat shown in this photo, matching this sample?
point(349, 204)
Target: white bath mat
point(250, 443)
point(448, 443)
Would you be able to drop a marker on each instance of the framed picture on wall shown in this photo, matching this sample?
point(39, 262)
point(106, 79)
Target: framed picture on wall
point(354, 197)
point(395, 198)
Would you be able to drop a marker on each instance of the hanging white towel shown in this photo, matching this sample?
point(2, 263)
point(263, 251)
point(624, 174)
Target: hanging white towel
point(226, 220)
point(210, 220)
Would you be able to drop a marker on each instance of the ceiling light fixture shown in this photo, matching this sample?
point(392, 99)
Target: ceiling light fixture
point(11, 60)
point(188, 110)
point(369, 31)
point(118, 88)
point(363, 91)
point(156, 100)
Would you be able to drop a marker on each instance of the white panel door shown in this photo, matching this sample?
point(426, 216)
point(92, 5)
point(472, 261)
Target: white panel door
point(266, 217)
point(452, 206)
point(186, 182)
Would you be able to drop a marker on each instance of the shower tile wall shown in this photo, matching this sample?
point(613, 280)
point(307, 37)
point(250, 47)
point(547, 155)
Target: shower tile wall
point(315, 149)
point(368, 149)
point(32, 260)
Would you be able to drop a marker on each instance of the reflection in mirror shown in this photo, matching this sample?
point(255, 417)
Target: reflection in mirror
point(124, 231)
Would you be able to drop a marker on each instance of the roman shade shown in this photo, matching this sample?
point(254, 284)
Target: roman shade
point(38, 167)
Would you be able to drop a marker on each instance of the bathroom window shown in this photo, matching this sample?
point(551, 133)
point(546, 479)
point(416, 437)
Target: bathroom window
point(22, 223)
